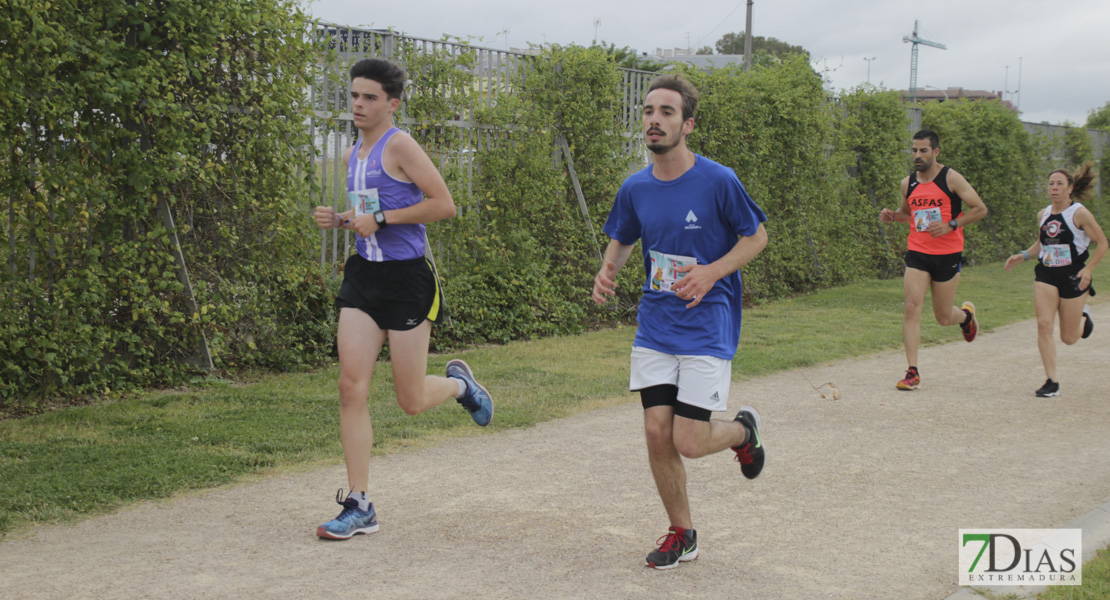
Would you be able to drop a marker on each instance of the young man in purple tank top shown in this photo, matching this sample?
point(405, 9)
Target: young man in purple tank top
point(389, 290)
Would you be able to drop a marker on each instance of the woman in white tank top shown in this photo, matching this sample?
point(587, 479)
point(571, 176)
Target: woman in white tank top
point(1065, 267)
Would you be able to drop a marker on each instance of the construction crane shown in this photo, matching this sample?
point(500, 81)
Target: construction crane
point(913, 57)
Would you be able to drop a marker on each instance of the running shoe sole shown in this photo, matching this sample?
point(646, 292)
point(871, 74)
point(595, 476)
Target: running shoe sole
point(689, 556)
point(327, 535)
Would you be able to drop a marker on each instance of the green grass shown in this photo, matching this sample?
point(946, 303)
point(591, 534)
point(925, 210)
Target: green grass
point(1096, 582)
point(91, 459)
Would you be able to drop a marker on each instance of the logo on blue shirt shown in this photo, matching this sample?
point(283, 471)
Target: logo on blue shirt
point(692, 220)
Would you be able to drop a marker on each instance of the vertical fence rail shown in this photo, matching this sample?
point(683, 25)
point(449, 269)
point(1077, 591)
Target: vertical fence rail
point(494, 71)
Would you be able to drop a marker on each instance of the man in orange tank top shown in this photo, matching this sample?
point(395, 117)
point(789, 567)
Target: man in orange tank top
point(938, 203)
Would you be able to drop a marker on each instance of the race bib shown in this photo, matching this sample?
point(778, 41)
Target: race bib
point(922, 217)
point(364, 202)
point(663, 275)
point(1057, 255)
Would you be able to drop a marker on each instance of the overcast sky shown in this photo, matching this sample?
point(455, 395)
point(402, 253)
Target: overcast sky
point(1060, 50)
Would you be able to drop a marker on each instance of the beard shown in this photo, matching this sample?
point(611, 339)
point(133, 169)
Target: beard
point(923, 166)
point(662, 146)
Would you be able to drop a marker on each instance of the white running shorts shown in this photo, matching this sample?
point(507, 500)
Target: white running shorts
point(702, 381)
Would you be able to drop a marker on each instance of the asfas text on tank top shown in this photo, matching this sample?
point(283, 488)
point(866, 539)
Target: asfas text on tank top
point(1063, 243)
point(932, 201)
point(370, 186)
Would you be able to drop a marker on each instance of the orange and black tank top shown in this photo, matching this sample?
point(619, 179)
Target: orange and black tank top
point(933, 201)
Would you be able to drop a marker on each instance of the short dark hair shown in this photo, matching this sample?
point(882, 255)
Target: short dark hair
point(928, 134)
point(391, 77)
point(680, 84)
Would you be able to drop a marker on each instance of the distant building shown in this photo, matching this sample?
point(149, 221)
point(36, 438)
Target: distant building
point(688, 56)
point(952, 93)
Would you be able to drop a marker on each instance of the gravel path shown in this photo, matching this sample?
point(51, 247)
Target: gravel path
point(861, 498)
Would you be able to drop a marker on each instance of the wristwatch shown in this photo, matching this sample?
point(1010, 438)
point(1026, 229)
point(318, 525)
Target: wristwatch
point(954, 224)
point(379, 218)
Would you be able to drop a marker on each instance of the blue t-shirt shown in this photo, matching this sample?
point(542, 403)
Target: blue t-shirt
point(695, 217)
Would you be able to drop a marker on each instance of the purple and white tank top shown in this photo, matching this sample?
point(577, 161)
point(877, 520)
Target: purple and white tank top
point(369, 179)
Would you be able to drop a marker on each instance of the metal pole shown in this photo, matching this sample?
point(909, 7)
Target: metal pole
point(1006, 84)
point(748, 39)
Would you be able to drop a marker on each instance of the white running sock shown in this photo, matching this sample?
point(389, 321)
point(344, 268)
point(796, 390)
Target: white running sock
point(363, 500)
point(462, 387)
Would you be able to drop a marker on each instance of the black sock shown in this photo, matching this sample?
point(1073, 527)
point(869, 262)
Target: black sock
point(968, 319)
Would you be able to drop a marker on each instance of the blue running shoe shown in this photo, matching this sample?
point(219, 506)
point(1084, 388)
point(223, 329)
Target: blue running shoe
point(476, 400)
point(351, 521)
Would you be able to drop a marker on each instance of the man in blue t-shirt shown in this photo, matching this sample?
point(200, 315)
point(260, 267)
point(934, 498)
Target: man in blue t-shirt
point(697, 227)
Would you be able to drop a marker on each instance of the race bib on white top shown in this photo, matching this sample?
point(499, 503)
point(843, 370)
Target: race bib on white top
point(1057, 255)
point(923, 216)
point(663, 275)
point(365, 202)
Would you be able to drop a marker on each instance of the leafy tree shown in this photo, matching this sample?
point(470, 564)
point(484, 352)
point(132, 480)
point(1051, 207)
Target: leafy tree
point(1077, 145)
point(1100, 119)
point(705, 50)
point(626, 58)
point(733, 43)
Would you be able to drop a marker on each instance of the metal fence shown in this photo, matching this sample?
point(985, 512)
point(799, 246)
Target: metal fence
point(494, 73)
point(1100, 142)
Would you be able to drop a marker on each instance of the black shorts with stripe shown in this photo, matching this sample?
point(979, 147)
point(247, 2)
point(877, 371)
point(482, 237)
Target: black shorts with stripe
point(398, 294)
point(940, 267)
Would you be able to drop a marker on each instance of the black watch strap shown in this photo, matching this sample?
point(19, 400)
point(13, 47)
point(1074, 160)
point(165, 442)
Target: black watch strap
point(379, 218)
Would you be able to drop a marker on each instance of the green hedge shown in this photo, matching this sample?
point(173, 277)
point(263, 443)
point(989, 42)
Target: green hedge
point(109, 108)
point(986, 143)
point(203, 105)
point(521, 255)
point(784, 138)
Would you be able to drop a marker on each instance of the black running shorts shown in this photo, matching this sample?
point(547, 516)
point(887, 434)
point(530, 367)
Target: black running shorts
point(941, 267)
point(398, 294)
point(1064, 279)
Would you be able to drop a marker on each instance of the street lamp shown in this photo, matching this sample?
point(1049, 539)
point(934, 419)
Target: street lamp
point(869, 67)
point(933, 87)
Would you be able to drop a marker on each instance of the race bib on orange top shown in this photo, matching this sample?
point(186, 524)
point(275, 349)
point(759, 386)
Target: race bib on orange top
point(663, 275)
point(922, 218)
point(931, 201)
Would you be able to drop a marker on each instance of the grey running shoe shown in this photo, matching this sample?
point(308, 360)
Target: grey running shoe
point(750, 455)
point(679, 545)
